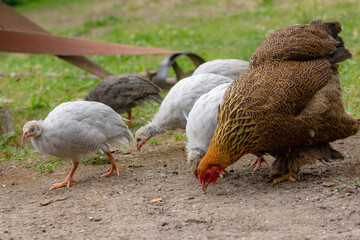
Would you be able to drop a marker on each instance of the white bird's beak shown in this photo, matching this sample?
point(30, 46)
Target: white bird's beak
point(25, 136)
point(139, 145)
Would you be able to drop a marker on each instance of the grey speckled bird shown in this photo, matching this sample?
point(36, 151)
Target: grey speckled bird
point(74, 129)
point(123, 92)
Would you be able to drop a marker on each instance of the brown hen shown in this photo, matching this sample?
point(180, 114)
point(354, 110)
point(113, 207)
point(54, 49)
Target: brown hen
point(288, 103)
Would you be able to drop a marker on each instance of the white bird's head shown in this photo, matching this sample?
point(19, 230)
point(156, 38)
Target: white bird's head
point(31, 129)
point(142, 136)
point(194, 157)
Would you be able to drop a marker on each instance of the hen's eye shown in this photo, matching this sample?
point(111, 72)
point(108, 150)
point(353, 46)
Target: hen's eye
point(207, 175)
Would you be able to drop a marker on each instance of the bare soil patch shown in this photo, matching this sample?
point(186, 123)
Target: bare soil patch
point(240, 206)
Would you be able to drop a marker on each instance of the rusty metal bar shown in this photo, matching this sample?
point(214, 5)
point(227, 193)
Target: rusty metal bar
point(39, 43)
point(11, 20)
point(15, 25)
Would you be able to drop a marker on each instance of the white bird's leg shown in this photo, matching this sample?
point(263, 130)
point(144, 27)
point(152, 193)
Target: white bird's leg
point(258, 163)
point(68, 179)
point(129, 118)
point(113, 165)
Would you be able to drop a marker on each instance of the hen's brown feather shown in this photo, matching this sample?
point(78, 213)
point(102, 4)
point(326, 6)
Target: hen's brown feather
point(299, 156)
point(289, 98)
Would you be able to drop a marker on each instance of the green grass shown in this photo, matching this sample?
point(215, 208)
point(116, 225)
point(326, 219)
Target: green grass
point(169, 132)
point(47, 165)
point(178, 137)
point(346, 187)
point(99, 158)
point(154, 141)
point(213, 29)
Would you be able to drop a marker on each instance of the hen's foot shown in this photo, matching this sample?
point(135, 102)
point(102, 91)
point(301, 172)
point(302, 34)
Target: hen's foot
point(258, 163)
point(289, 176)
point(67, 183)
point(111, 170)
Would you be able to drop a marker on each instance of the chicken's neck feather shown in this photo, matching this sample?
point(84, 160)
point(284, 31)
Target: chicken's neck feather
point(216, 157)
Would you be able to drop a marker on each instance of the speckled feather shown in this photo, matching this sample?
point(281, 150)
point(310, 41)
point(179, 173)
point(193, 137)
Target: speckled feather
point(174, 110)
point(123, 92)
point(289, 98)
point(230, 68)
point(74, 129)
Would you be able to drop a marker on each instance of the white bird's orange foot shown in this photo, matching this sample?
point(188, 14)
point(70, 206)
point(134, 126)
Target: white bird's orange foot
point(68, 179)
point(111, 170)
point(67, 183)
point(113, 166)
point(258, 163)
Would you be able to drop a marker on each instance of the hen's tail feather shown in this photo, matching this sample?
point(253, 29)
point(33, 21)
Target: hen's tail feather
point(341, 42)
point(334, 27)
point(156, 97)
point(326, 153)
point(340, 55)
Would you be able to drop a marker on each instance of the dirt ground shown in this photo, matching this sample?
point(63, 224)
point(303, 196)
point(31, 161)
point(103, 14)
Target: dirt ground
point(324, 204)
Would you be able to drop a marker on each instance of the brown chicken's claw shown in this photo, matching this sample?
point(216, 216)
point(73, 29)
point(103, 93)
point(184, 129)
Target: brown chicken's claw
point(289, 176)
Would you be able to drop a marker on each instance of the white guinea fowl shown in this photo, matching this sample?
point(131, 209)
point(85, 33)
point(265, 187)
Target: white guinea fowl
point(177, 104)
point(230, 68)
point(74, 129)
point(201, 124)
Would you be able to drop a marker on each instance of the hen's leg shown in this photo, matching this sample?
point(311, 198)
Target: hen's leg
point(258, 163)
point(112, 167)
point(68, 179)
point(289, 176)
point(129, 117)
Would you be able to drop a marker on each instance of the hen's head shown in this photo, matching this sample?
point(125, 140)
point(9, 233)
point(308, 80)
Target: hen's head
point(208, 175)
point(31, 129)
point(141, 136)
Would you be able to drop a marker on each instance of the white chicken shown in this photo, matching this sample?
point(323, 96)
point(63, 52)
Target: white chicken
point(230, 68)
point(201, 124)
point(177, 104)
point(74, 129)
